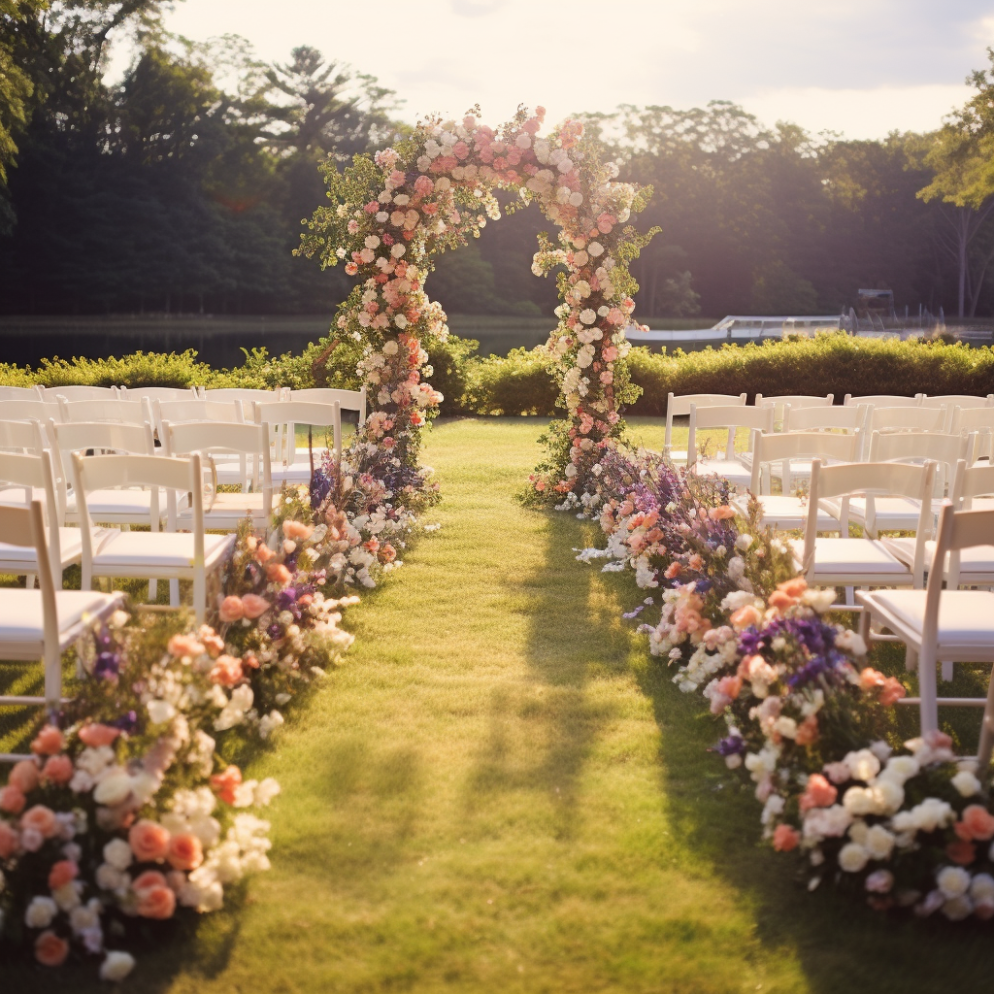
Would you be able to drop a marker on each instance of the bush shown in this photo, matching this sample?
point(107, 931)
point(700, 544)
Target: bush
point(521, 383)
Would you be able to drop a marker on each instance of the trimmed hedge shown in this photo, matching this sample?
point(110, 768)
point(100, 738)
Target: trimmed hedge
point(523, 383)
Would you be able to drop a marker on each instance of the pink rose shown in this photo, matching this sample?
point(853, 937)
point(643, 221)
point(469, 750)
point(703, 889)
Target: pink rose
point(24, 776)
point(48, 741)
point(149, 841)
point(231, 609)
point(41, 819)
point(12, 800)
point(62, 873)
point(254, 606)
point(58, 770)
point(8, 840)
point(96, 735)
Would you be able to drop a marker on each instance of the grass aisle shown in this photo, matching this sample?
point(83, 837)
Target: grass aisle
point(500, 792)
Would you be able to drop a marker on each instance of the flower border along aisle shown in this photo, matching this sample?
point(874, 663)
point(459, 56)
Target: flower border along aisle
point(903, 824)
point(391, 216)
point(130, 814)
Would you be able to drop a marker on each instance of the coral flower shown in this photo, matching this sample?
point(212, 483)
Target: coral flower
point(57, 769)
point(807, 731)
point(297, 530)
point(819, 793)
point(231, 609)
point(225, 784)
point(255, 606)
point(96, 735)
point(62, 873)
point(722, 512)
point(24, 775)
point(745, 616)
point(41, 819)
point(793, 588)
point(48, 741)
point(12, 800)
point(227, 671)
point(149, 841)
point(785, 838)
point(185, 851)
point(892, 691)
point(962, 852)
point(185, 645)
point(977, 823)
point(50, 949)
point(156, 902)
point(8, 841)
point(277, 573)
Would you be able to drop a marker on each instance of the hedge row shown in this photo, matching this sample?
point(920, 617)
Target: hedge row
point(522, 382)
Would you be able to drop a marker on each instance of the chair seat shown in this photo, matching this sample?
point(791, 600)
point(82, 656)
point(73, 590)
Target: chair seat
point(857, 556)
point(22, 624)
point(966, 617)
point(112, 505)
point(892, 513)
point(21, 496)
point(70, 545)
point(728, 469)
point(974, 561)
point(169, 551)
point(785, 512)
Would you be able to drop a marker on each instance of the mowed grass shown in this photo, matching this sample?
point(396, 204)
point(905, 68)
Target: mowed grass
point(502, 792)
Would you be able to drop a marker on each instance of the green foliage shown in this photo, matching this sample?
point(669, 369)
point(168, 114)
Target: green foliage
point(522, 383)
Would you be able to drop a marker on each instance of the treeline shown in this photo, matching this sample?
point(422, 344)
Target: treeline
point(182, 187)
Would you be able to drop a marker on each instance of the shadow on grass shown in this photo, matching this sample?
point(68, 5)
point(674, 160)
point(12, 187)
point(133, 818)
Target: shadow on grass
point(840, 943)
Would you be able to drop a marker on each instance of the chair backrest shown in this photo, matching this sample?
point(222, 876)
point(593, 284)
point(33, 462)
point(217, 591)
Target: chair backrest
point(74, 393)
point(785, 446)
point(287, 414)
point(21, 393)
point(972, 419)
point(906, 419)
point(848, 419)
point(178, 476)
point(794, 400)
point(871, 480)
point(245, 394)
point(22, 436)
point(178, 411)
point(756, 419)
point(347, 400)
point(956, 400)
point(24, 410)
point(134, 412)
point(34, 471)
point(25, 526)
point(971, 481)
point(678, 406)
point(882, 400)
point(159, 393)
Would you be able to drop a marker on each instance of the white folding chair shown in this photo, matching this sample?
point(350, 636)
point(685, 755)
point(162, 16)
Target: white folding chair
point(975, 419)
point(34, 473)
point(233, 470)
point(283, 417)
point(30, 410)
point(679, 407)
point(247, 395)
point(882, 400)
point(152, 394)
point(786, 511)
point(73, 393)
point(937, 624)
point(781, 403)
point(890, 514)
point(729, 466)
point(29, 438)
point(42, 623)
point(963, 400)
point(863, 562)
point(226, 510)
point(120, 412)
point(169, 555)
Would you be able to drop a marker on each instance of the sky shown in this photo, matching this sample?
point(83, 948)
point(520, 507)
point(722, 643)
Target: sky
point(861, 68)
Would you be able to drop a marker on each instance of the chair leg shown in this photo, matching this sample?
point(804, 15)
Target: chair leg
point(947, 670)
point(199, 595)
point(53, 679)
point(987, 730)
point(174, 593)
point(928, 692)
point(911, 660)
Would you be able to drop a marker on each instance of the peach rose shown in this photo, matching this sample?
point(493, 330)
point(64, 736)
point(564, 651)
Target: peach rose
point(781, 601)
point(255, 606)
point(277, 573)
point(977, 823)
point(231, 609)
point(870, 679)
point(62, 873)
point(185, 851)
point(149, 841)
point(96, 735)
point(224, 784)
point(12, 800)
point(156, 902)
point(41, 819)
point(745, 616)
point(794, 588)
point(24, 775)
point(8, 841)
point(185, 645)
point(892, 691)
point(819, 793)
point(807, 731)
point(227, 671)
point(50, 949)
point(263, 554)
point(148, 880)
point(57, 769)
point(48, 741)
point(785, 838)
point(722, 512)
point(297, 530)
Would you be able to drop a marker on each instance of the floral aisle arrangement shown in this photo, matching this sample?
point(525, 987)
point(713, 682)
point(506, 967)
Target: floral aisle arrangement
point(903, 824)
point(391, 215)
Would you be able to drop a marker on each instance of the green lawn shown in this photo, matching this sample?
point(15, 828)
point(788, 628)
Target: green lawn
point(502, 792)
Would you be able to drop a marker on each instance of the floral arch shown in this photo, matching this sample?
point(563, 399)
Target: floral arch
point(391, 215)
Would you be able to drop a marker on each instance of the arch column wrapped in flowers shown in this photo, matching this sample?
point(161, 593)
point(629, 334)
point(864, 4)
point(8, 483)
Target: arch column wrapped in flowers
point(389, 216)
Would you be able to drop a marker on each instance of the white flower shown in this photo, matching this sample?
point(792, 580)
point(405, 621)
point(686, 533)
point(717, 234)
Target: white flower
point(879, 842)
point(953, 881)
point(862, 764)
point(958, 908)
point(899, 769)
point(113, 789)
point(40, 912)
point(982, 887)
point(159, 712)
point(116, 966)
point(117, 852)
point(595, 249)
point(819, 600)
point(853, 857)
point(743, 542)
point(851, 642)
point(966, 783)
point(859, 801)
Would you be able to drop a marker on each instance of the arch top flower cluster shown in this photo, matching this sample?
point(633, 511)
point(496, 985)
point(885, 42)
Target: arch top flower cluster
point(391, 215)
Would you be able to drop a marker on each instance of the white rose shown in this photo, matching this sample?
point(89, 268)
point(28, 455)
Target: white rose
point(40, 912)
point(958, 908)
point(862, 764)
point(852, 857)
point(117, 852)
point(398, 250)
point(116, 966)
point(953, 881)
point(982, 887)
point(113, 789)
point(879, 842)
point(371, 242)
point(966, 783)
point(159, 712)
point(595, 249)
